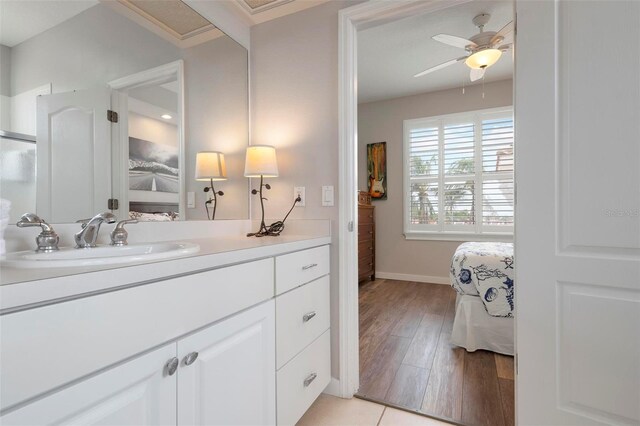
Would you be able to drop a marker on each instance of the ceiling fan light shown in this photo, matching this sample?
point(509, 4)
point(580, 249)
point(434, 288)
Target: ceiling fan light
point(483, 58)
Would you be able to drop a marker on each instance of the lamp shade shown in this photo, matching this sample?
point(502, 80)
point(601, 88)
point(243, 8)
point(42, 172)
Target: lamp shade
point(210, 165)
point(483, 58)
point(261, 161)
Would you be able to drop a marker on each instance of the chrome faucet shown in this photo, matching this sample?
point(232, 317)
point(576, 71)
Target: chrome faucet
point(47, 240)
point(88, 236)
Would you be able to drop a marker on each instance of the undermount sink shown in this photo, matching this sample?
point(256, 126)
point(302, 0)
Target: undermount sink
point(100, 255)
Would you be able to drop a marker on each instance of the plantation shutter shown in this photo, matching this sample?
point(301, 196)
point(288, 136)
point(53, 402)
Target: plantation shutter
point(459, 173)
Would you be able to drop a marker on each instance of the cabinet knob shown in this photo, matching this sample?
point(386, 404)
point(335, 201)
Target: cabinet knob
point(306, 317)
point(190, 358)
point(313, 265)
point(310, 378)
point(171, 366)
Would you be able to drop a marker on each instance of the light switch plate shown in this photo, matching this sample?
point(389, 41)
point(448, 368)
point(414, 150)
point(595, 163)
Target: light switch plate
point(327, 196)
point(191, 200)
point(299, 190)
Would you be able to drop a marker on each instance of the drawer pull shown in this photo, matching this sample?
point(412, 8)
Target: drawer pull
point(306, 267)
point(371, 232)
point(171, 366)
point(306, 317)
point(309, 379)
point(190, 358)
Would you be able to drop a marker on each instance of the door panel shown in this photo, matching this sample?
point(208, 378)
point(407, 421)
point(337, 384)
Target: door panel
point(232, 380)
point(578, 212)
point(139, 392)
point(73, 155)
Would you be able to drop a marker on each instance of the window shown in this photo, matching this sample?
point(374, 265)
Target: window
point(458, 177)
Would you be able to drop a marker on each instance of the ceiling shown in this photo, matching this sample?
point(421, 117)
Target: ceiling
point(20, 19)
point(390, 54)
point(258, 11)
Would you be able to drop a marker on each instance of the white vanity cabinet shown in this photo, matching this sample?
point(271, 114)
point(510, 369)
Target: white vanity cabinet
point(244, 349)
point(138, 392)
point(226, 374)
point(302, 328)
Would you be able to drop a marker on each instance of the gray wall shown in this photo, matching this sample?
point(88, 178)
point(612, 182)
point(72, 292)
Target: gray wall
point(5, 70)
point(382, 121)
point(217, 104)
point(92, 48)
point(294, 96)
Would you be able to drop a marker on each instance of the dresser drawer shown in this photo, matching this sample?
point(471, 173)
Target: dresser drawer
point(365, 264)
point(303, 379)
point(365, 231)
point(295, 269)
point(365, 248)
point(301, 316)
point(365, 215)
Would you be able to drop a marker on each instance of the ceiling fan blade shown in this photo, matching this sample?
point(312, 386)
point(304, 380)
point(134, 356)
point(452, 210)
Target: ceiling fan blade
point(438, 67)
point(454, 41)
point(476, 74)
point(505, 35)
point(505, 47)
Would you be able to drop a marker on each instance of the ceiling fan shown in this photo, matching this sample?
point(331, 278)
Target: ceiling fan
point(483, 49)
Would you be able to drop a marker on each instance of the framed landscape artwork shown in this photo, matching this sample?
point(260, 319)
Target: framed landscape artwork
point(153, 166)
point(377, 170)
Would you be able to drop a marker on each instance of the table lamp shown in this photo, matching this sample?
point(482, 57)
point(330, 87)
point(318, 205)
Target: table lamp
point(261, 162)
point(210, 166)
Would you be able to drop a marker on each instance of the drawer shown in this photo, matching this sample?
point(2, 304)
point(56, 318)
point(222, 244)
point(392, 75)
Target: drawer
point(365, 215)
point(81, 336)
point(295, 269)
point(364, 198)
point(365, 263)
point(301, 316)
point(365, 248)
point(297, 387)
point(365, 231)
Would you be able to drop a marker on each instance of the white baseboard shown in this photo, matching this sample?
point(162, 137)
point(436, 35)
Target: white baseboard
point(410, 277)
point(333, 388)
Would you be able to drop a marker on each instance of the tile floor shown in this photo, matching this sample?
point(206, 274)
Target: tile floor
point(332, 411)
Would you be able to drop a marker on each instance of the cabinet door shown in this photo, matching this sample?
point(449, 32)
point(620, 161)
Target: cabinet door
point(138, 392)
point(232, 379)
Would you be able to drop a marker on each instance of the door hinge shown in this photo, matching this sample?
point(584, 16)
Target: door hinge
point(350, 226)
point(112, 116)
point(112, 204)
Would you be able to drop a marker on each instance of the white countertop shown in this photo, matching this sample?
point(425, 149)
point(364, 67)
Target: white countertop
point(24, 288)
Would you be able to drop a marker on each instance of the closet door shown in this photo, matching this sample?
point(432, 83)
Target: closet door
point(139, 392)
point(577, 230)
point(227, 371)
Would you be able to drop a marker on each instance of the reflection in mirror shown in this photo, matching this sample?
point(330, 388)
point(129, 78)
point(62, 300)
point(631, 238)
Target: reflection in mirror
point(60, 156)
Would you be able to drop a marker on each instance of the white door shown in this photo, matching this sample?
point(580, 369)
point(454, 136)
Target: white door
point(578, 212)
point(227, 371)
point(73, 141)
point(139, 392)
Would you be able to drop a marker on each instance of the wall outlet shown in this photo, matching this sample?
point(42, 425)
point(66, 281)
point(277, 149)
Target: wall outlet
point(299, 191)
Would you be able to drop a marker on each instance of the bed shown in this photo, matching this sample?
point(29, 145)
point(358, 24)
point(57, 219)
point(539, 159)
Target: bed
point(153, 212)
point(482, 273)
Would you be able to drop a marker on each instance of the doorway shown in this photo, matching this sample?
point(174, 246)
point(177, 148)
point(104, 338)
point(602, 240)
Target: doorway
point(403, 316)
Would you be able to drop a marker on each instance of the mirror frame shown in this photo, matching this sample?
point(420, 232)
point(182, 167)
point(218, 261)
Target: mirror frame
point(120, 135)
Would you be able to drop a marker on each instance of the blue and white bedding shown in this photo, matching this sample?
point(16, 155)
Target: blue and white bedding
point(485, 270)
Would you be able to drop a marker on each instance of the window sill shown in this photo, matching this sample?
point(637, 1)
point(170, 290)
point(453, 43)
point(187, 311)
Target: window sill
point(458, 236)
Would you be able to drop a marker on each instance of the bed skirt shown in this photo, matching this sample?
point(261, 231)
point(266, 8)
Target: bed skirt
point(474, 329)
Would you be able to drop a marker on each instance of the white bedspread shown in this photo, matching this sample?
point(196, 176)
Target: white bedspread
point(485, 269)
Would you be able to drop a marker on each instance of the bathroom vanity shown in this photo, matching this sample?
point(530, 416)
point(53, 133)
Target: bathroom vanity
point(237, 333)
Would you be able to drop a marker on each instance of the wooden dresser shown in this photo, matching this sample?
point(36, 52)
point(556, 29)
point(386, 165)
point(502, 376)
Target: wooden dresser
point(366, 238)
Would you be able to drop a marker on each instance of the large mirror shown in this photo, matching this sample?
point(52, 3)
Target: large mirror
point(105, 105)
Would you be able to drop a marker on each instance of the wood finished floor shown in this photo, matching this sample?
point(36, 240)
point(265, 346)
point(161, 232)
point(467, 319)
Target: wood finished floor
point(406, 358)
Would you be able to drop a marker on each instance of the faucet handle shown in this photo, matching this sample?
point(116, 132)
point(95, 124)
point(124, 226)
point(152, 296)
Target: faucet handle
point(119, 234)
point(47, 240)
